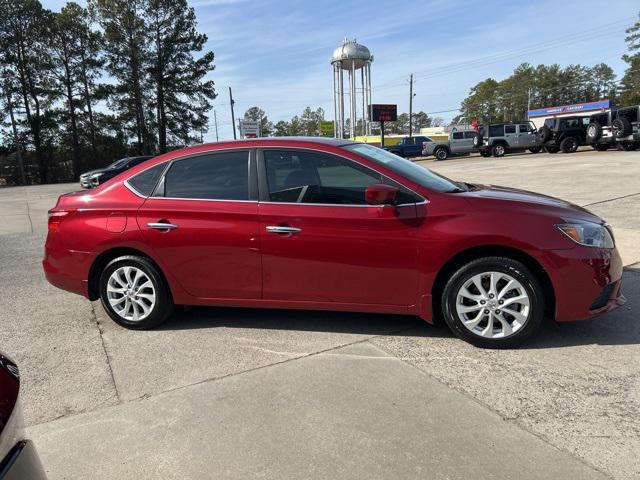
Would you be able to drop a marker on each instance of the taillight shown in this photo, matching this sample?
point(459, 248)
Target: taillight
point(56, 218)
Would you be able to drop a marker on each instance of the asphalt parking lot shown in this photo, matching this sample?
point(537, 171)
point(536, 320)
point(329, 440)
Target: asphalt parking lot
point(239, 393)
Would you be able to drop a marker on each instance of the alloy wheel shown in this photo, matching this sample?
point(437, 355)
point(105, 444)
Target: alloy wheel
point(493, 305)
point(131, 293)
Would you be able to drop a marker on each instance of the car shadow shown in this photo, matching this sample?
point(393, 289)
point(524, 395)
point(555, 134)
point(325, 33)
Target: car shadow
point(620, 327)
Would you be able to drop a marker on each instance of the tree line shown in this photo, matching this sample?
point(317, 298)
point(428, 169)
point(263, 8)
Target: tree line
point(82, 87)
point(308, 123)
point(548, 85)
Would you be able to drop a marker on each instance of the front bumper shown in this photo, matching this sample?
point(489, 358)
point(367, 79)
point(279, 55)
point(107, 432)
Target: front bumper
point(22, 463)
point(586, 281)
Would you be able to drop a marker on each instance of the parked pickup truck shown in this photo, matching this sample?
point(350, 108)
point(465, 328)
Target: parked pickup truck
point(459, 143)
point(408, 147)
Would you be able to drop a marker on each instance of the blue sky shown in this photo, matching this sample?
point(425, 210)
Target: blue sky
point(275, 54)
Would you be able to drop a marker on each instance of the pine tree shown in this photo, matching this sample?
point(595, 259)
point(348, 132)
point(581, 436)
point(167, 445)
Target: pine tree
point(183, 94)
point(257, 114)
point(630, 84)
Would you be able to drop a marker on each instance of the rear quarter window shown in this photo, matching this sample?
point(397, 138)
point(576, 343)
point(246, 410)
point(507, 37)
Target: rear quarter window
point(145, 182)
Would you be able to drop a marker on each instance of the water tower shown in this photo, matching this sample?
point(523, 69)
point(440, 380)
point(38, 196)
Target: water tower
point(351, 56)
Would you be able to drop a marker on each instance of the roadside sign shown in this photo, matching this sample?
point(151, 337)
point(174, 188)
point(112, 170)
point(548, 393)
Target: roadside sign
point(384, 113)
point(249, 128)
point(326, 128)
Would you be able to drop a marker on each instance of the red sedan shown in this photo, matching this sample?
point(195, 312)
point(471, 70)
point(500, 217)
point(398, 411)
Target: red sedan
point(333, 225)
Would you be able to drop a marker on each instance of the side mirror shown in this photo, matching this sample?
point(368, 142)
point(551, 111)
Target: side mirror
point(380, 194)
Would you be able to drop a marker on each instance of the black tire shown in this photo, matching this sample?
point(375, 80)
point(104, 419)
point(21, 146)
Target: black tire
point(551, 149)
point(515, 270)
point(621, 127)
point(601, 147)
point(535, 149)
point(628, 146)
point(498, 150)
point(441, 153)
point(594, 132)
point(485, 153)
point(569, 144)
point(544, 134)
point(161, 309)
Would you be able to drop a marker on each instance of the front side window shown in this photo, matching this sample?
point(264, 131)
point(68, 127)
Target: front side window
point(214, 176)
point(525, 128)
point(458, 135)
point(310, 177)
point(470, 134)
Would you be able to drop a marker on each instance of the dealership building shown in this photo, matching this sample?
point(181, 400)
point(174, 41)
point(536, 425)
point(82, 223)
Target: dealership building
point(539, 115)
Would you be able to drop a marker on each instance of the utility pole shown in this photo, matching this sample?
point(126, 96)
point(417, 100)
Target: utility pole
point(215, 121)
point(411, 106)
point(233, 117)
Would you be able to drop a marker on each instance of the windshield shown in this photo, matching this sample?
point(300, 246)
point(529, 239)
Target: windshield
point(118, 163)
point(421, 176)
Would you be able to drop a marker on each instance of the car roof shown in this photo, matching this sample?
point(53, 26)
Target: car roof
point(336, 142)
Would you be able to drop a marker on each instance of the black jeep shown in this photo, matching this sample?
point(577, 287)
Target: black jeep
point(564, 134)
point(619, 127)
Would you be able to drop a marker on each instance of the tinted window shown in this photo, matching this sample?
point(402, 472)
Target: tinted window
point(458, 135)
point(525, 128)
point(509, 129)
point(215, 176)
point(137, 161)
point(310, 177)
point(145, 181)
point(549, 122)
point(496, 130)
point(470, 134)
point(405, 168)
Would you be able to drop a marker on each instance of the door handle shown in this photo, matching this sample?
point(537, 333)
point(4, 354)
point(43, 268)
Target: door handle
point(162, 225)
point(282, 229)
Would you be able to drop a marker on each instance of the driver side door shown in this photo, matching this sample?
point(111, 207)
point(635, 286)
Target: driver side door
point(322, 243)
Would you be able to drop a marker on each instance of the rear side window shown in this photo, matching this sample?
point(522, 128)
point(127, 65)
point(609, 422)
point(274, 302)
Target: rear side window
point(509, 129)
point(215, 176)
point(145, 181)
point(496, 130)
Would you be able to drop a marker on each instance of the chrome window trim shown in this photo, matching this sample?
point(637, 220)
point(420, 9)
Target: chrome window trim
point(170, 162)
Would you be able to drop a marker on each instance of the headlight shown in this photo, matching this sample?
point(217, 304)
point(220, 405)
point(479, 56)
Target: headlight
point(588, 234)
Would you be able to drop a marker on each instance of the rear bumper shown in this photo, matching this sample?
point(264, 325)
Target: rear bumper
point(21, 463)
point(586, 281)
point(66, 269)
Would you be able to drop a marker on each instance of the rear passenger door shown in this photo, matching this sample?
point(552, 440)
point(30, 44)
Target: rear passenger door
point(457, 142)
point(202, 224)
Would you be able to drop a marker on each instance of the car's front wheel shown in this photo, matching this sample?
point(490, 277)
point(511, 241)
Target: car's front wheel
point(569, 145)
point(134, 293)
point(493, 302)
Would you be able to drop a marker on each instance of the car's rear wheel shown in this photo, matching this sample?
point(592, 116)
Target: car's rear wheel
point(535, 149)
point(601, 147)
point(628, 146)
point(498, 150)
point(134, 293)
point(441, 154)
point(569, 145)
point(493, 302)
point(485, 154)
